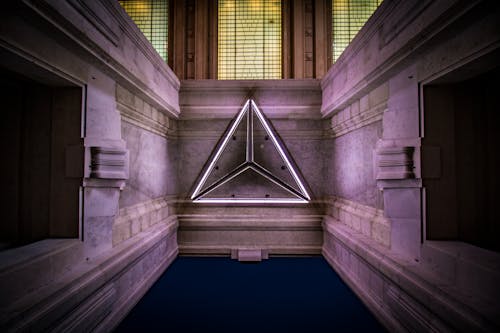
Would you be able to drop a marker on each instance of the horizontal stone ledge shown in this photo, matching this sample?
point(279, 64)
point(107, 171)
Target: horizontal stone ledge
point(225, 249)
point(287, 99)
point(70, 290)
point(260, 208)
point(250, 85)
point(249, 224)
point(367, 220)
point(17, 258)
point(246, 228)
point(410, 282)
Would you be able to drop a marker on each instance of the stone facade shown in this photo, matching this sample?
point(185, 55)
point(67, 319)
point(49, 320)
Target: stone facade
point(358, 136)
point(403, 47)
point(91, 280)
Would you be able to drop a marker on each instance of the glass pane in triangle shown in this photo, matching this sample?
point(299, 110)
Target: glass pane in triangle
point(249, 185)
point(233, 155)
point(267, 156)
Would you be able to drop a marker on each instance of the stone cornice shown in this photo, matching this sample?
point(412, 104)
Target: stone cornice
point(366, 220)
point(367, 110)
point(201, 99)
point(139, 113)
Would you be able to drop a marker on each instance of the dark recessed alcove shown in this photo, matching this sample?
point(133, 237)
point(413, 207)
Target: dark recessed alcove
point(40, 121)
point(460, 156)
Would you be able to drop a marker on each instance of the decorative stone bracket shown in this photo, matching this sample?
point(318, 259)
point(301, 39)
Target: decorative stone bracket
point(109, 163)
point(395, 163)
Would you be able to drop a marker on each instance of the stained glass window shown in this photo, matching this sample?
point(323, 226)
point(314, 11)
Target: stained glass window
point(151, 16)
point(348, 17)
point(249, 39)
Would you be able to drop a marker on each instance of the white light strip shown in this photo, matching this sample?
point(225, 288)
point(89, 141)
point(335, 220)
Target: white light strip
point(228, 134)
point(249, 145)
point(280, 150)
point(250, 201)
point(270, 179)
point(220, 150)
point(232, 175)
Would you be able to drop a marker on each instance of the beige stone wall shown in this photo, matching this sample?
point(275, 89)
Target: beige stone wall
point(349, 157)
point(371, 92)
point(402, 276)
point(361, 112)
point(366, 220)
point(221, 230)
point(89, 283)
point(132, 220)
point(134, 110)
point(150, 137)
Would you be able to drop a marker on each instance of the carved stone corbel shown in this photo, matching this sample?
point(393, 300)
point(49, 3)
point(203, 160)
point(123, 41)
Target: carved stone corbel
point(395, 163)
point(108, 163)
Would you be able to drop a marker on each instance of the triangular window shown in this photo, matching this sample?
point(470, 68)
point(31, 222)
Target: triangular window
point(250, 165)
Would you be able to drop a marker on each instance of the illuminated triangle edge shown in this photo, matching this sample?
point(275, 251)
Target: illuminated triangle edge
point(250, 103)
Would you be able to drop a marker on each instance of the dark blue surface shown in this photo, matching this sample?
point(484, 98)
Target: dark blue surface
point(224, 295)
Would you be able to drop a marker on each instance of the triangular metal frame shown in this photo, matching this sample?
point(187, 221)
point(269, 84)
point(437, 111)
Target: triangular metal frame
point(299, 196)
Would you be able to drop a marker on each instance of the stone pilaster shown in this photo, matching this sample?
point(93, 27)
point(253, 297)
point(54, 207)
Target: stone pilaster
point(106, 164)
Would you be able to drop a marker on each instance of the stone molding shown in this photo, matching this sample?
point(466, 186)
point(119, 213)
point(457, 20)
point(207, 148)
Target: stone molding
point(289, 129)
point(134, 219)
point(18, 264)
point(366, 220)
point(93, 15)
point(367, 110)
point(288, 99)
point(341, 126)
point(298, 134)
point(131, 30)
point(248, 223)
point(136, 111)
point(213, 230)
point(108, 163)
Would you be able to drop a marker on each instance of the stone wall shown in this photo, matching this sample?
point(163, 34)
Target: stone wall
point(90, 282)
point(366, 220)
point(207, 109)
point(356, 137)
point(350, 158)
point(400, 274)
point(150, 137)
point(349, 164)
point(222, 230)
point(153, 156)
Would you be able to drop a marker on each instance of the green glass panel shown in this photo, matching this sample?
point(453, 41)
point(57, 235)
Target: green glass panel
point(249, 39)
point(151, 17)
point(348, 17)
